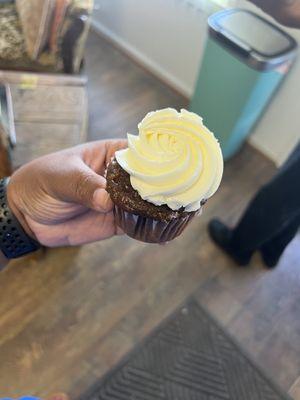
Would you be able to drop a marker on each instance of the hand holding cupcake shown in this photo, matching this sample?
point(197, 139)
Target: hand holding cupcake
point(168, 171)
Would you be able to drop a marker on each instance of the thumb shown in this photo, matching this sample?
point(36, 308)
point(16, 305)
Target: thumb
point(87, 188)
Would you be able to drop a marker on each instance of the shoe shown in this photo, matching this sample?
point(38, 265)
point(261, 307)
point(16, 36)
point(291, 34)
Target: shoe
point(270, 260)
point(221, 235)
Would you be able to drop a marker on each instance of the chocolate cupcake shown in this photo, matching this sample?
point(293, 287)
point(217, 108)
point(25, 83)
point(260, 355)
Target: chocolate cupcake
point(159, 183)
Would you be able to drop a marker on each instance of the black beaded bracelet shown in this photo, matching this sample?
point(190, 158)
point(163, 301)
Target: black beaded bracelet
point(14, 241)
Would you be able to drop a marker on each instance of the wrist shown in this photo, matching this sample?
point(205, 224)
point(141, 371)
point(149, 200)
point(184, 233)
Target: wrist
point(14, 240)
point(12, 204)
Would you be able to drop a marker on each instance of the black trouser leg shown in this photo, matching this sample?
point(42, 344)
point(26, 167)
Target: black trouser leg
point(276, 203)
point(273, 249)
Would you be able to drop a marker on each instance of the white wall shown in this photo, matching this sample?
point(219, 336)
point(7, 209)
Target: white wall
point(167, 36)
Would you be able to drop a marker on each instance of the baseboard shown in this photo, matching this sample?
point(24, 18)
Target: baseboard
point(142, 60)
point(267, 152)
point(161, 74)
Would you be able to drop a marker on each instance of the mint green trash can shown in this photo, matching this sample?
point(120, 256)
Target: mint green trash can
point(245, 59)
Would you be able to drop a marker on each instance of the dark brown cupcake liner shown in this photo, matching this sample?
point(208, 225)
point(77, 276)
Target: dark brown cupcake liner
point(150, 230)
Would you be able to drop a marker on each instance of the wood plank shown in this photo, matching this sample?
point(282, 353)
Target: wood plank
point(30, 79)
point(35, 139)
point(120, 92)
point(261, 310)
point(68, 315)
point(47, 119)
point(41, 104)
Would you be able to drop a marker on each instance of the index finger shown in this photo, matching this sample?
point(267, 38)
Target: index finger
point(97, 155)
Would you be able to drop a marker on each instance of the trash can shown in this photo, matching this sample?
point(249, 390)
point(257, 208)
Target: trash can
point(245, 59)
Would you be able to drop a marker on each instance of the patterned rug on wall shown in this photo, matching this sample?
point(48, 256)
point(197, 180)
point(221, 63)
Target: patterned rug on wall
point(188, 357)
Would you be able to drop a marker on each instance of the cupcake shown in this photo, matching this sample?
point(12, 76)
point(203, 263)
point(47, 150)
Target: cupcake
point(159, 183)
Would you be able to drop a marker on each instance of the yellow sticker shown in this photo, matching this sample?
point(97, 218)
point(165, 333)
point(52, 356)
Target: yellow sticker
point(29, 81)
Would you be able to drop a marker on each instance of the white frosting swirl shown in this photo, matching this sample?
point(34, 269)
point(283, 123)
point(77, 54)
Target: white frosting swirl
point(175, 160)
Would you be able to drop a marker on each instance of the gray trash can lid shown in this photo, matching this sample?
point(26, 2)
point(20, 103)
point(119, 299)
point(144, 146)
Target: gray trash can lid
point(256, 41)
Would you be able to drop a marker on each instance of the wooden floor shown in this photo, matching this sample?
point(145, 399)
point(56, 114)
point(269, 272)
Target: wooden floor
point(67, 316)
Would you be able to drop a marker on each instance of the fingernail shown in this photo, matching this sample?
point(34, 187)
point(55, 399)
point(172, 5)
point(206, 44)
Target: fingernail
point(102, 201)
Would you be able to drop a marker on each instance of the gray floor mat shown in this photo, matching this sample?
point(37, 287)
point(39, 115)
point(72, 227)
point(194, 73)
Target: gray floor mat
point(188, 357)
